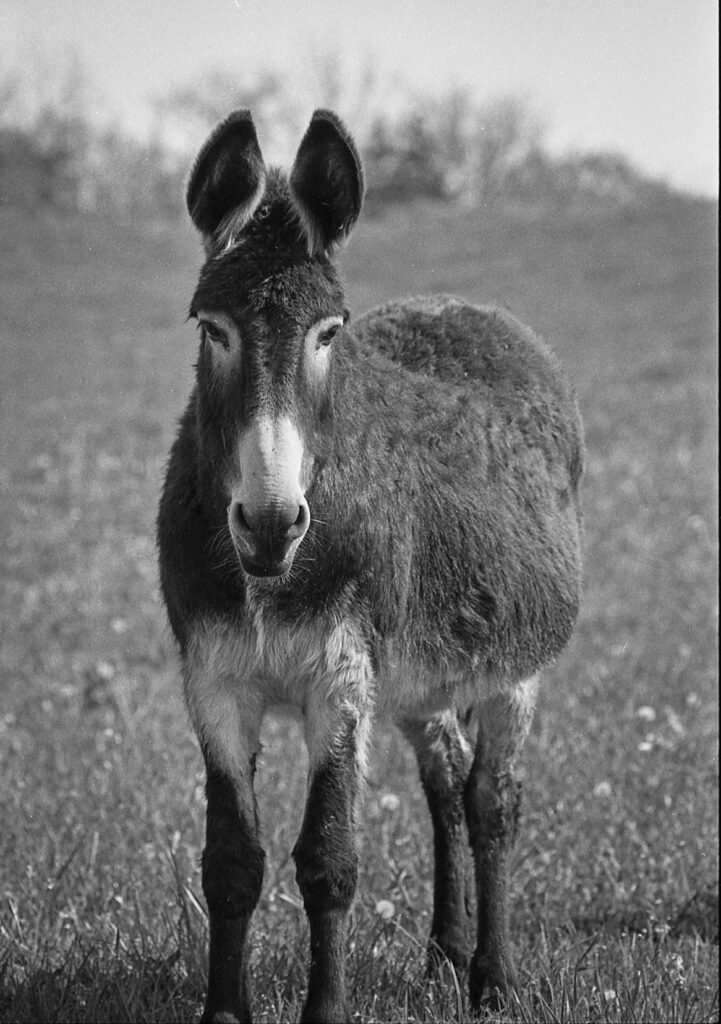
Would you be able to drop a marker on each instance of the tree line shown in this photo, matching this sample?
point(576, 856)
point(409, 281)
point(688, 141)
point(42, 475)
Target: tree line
point(447, 148)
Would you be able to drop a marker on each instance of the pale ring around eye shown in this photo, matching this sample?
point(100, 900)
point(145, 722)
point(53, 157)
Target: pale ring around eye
point(326, 336)
point(211, 331)
point(217, 329)
point(322, 333)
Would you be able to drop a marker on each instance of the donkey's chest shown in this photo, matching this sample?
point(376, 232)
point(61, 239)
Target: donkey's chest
point(294, 663)
point(283, 663)
point(286, 660)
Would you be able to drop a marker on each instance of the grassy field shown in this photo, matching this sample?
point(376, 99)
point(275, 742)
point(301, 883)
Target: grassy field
point(101, 806)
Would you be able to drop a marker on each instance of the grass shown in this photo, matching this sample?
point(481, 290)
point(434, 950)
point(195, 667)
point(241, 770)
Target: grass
point(615, 877)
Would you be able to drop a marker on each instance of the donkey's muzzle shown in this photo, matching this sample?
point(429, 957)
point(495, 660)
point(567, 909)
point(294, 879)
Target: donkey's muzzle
point(267, 538)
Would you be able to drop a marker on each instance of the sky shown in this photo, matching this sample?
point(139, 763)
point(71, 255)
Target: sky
point(636, 76)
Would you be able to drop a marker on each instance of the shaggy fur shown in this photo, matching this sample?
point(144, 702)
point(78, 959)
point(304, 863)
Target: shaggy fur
point(440, 571)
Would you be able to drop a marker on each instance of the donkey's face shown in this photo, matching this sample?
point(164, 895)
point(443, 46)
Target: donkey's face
point(268, 305)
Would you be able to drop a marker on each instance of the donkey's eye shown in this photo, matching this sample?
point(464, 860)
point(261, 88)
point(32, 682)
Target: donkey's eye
point(213, 333)
point(320, 336)
point(327, 334)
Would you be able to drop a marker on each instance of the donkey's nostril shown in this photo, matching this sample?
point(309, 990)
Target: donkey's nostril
point(276, 526)
point(239, 520)
point(301, 521)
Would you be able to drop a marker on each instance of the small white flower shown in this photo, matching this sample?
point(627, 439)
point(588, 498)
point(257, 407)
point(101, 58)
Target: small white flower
point(385, 909)
point(645, 746)
point(603, 789)
point(676, 970)
point(389, 802)
point(674, 722)
point(646, 713)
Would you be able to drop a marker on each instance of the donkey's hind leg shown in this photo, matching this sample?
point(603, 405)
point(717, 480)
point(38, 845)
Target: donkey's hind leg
point(492, 800)
point(444, 758)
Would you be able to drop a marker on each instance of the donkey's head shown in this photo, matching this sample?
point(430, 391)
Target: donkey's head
point(268, 304)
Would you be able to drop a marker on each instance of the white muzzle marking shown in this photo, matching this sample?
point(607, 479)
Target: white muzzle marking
point(271, 457)
point(268, 515)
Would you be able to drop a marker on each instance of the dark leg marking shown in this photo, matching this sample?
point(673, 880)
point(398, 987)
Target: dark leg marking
point(327, 871)
point(233, 863)
point(444, 758)
point(492, 801)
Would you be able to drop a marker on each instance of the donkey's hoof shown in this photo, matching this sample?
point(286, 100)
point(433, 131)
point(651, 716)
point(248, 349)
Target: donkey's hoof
point(225, 1017)
point(491, 984)
point(324, 1013)
point(443, 950)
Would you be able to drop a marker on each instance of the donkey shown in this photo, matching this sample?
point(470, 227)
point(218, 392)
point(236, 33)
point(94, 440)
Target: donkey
point(377, 519)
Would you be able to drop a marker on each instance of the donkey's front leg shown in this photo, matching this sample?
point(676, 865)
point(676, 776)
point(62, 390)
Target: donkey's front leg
point(227, 719)
point(232, 878)
point(325, 854)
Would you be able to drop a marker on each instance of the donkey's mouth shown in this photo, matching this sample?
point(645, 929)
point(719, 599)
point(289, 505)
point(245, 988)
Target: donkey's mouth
point(266, 569)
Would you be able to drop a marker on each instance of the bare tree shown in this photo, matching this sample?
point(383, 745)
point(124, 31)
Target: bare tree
point(48, 107)
point(506, 133)
point(187, 113)
point(358, 93)
point(453, 118)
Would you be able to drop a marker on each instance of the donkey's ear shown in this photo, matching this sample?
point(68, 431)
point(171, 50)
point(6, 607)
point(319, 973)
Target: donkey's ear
point(228, 177)
point(327, 182)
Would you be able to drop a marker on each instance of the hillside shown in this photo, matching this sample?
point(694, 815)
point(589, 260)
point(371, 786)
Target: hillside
point(616, 867)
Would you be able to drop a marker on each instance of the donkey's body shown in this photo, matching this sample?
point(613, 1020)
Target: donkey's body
point(426, 563)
